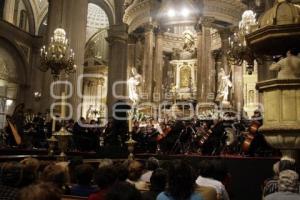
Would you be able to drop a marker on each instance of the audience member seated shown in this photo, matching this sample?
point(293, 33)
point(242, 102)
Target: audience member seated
point(288, 187)
point(31, 169)
point(41, 191)
point(135, 170)
point(151, 165)
point(105, 163)
point(122, 172)
point(123, 191)
point(84, 175)
point(105, 178)
point(11, 178)
point(158, 182)
point(271, 185)
point(181, 183)
point(73, 163)
point(57, 174)
point(206, 179)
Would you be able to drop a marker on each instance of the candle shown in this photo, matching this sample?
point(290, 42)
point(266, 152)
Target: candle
point(53, 124)
point(63, 106)
point(130, 125)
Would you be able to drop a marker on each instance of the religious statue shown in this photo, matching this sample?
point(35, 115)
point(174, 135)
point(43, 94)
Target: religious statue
point(223, 86)
point(133, 82)
point(288, 67)
point(189, 45)
point(248, 21)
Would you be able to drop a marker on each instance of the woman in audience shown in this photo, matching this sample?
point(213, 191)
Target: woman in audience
point(11, 176)
point(158, 182)
point(84, 175)
point(123, 191)
point(57, 174)
point(135, 170)
point(181, 183)
point(151, 165)
point(105, 177)
point(41, 191)
point(31, 170)
point(288, 187)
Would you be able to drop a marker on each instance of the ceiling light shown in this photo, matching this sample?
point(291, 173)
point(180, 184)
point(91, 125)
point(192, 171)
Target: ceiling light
point(171, 13)
point(185, 12)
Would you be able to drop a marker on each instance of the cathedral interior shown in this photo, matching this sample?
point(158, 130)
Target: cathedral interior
point(173, 79)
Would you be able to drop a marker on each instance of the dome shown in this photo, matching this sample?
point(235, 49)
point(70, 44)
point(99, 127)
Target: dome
point(282, 13)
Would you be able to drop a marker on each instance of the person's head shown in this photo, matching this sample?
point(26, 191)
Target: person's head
point(105, 162)
point(84, 174)
point(206, 169)
point(41, 191)
point(11, 174)
point(123, 191)
point(105, 177)
point(55, 174)
point(158, 180)
point(287, 163)
point(152, 164)
point(181, 180)
point(220, 170)
point(288, 181)
point(135, 170)
point(122, 172)
point(31, 167)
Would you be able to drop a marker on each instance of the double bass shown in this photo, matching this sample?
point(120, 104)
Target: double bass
point(250, 135)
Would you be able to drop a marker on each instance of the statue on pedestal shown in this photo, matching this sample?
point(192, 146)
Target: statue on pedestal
point(133, 82)
point(288, 67)
point(224, 84)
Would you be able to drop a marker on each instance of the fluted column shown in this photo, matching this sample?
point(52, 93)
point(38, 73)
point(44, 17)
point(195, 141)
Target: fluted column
point(148, 61)
point(117, 66)
point(8, 12)
point(158, 66)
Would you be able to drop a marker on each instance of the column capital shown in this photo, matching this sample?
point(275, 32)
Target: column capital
point(207, 21)
point(225, 33)
point(118, 33)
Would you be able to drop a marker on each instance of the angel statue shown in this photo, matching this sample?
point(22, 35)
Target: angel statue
point(224, 84)
point(133, 82)
point(288, 67)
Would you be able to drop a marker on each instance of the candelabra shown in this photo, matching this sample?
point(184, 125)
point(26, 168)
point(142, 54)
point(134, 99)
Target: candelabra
point(58, 56)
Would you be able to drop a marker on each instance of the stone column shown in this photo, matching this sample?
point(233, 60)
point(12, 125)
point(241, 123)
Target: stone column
point(73, 14)
point(204, 63)
point(238, 98)
point(117, 66)
point(8, 12)
point(158, 66)
point(148, 61)
point(224, 34)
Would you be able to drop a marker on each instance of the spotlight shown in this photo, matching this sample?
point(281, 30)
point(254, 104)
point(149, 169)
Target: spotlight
point(185, 12)
point(171, 13)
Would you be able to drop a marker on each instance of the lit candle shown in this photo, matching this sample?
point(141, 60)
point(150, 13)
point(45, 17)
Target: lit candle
point(53, 124)
point(130, 125)
point(63, 106)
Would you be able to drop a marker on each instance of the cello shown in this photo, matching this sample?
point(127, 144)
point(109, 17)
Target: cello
point(250, 135)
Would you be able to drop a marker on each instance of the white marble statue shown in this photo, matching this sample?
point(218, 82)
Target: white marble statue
point(133, 82)
point(288, 67)
point(224, 84)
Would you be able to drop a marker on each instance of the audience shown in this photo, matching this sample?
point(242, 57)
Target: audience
point(151, 165)
point(11, 177)
point(31, 169)
point(181, 183)
point(84, 175)
point(158, 183)
point(105, 178)
point(41, 191)
point(206, 178)
point(288, 187)
point(123, 191)
point(135, 170)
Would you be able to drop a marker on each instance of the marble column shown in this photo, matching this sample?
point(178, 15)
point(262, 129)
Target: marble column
point(224, 35)
point(117, 70)
point(70, 15)
point(158, 67)
point(148, 61)
point(8, 12)
point(204, 64)
point(238, 98)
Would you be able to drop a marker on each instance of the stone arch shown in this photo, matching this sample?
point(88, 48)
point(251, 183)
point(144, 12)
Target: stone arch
point(107, 8)
point(43, 28)
point(31, 19)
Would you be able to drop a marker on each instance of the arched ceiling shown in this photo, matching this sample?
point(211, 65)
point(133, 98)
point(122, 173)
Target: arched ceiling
point(40, 9)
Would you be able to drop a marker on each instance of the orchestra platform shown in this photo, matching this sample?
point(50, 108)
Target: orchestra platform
point(247, 173)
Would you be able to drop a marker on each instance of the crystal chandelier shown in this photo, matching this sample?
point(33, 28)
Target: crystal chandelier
point(239, 51)
point(58, 56)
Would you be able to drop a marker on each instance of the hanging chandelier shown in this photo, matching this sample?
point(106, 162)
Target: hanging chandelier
point(239, 50)
point(58, 56)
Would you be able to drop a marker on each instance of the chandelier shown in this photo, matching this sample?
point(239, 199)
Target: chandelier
point(58, 56)
point(239, 51)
